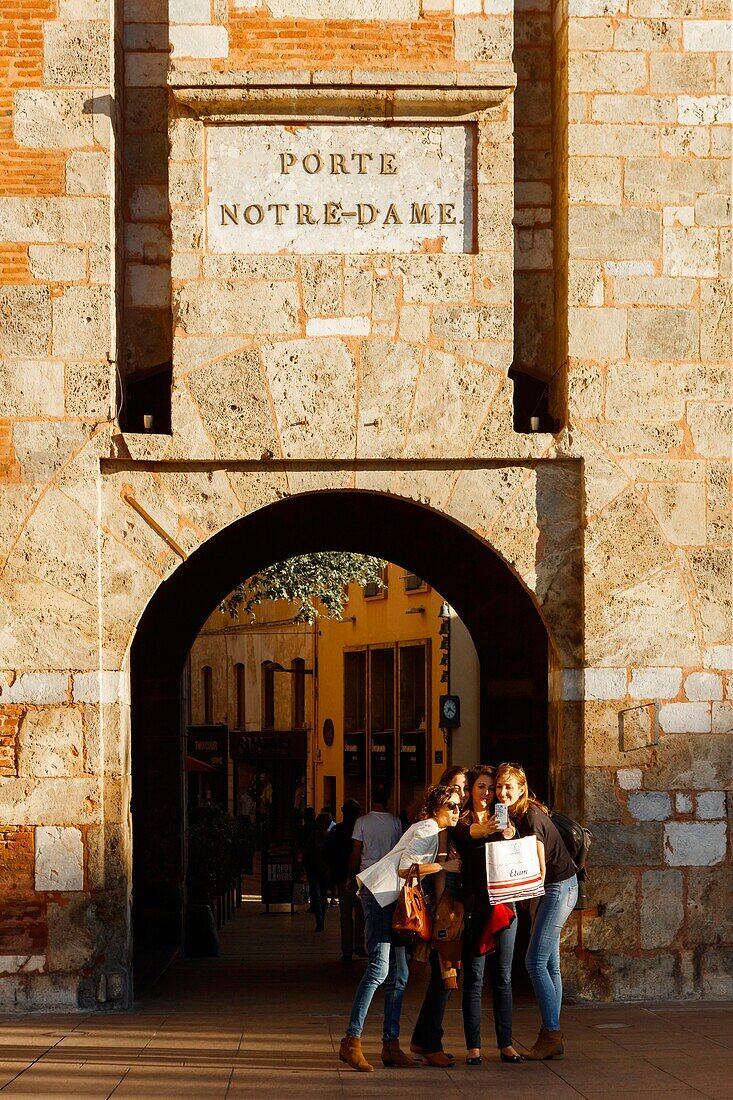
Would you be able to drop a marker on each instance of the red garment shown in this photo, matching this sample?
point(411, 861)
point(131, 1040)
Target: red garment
point(500, 917)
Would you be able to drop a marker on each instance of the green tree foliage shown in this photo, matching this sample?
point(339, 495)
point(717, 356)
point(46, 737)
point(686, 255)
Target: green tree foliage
point(317, 583)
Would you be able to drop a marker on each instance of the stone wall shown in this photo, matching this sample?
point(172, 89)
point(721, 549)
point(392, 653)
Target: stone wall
point(619, 524)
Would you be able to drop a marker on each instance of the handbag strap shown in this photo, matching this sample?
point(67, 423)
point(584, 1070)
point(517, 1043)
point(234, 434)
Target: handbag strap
point(414, 873)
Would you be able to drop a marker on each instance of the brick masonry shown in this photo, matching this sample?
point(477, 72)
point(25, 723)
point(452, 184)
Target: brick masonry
point(604, 244)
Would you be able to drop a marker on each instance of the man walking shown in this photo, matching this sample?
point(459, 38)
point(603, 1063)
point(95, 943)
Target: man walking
point(339, 844)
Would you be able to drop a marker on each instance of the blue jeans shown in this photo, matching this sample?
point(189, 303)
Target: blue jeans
point(543, 953)
point(386, 965)
point(499, 965)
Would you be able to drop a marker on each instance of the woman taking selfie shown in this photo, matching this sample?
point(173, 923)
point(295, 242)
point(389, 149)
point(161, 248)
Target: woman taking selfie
point(561, 892)
point(379, 889)
point(476, 828)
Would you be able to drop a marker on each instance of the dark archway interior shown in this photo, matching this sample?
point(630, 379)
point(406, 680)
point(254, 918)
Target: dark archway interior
point(507, 630)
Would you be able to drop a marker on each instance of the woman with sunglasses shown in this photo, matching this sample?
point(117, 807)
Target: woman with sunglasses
point(379, 889)
point(561, 893)
point(477, 828)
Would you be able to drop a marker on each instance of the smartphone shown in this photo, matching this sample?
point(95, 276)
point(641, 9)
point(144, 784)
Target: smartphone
point(501, 811)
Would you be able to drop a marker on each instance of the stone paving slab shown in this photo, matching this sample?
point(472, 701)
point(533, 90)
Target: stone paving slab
point(264, 1020)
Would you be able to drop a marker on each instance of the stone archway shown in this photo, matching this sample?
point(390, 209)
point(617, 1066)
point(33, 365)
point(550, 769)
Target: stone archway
point(500, 613)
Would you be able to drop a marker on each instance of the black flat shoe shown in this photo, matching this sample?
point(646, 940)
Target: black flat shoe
point(513, 1059)
point(474, 1061)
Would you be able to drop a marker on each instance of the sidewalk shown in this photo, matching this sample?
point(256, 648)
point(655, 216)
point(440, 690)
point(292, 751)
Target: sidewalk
point(265, 1019)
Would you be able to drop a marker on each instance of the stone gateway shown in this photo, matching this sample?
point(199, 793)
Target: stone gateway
point(432, 279)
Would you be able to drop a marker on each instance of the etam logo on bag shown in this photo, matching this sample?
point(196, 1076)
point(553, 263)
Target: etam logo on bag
point(516, 848)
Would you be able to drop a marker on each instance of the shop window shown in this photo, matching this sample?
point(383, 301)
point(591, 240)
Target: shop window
point(413, 744)
point(355, 668)
point(297, 697)
point(268, 696)
point(239, 712)
point(207, 694)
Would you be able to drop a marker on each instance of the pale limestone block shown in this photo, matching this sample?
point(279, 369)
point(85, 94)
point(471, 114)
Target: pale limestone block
point(149, 242)
point(42, 447)
point(650, 805)
point(81, 323)
point(687, 844)
point(344, 9)
point(185, 185)
point(189, 11)
point(629, 779)
point(716, 320)
point(59, 858)
point(146, 69)
point(714, 210)
point(661, 334)
point(711, 571)
point(707, 35)
point(661, 8)
point(590, 34)
point(22, 964)
point(199, 41)
point(185, 265)
point(722, 717)
point(338, 326)
point(653, 290)
point(187, 229)
point(606, 72)
point(594, 180)
point(84, 9)
point(685, 718)
point(49, 222)
point(662, 907)
point(703, 687)
point(76, 53)
point(88, 174)
point(578, 108)
point(585, 392)
point(32, 387)
point(690, 251)
point(685, 141)
point(89, 390)
point(299, 373)
point(434, 279)
point(706, 110)
point(655, 683)
point(57, 263)
point(647, 34)
point(634, 108)
point(51, 742)
point(25, 321)
point(463, 393)
point(637, 439)
point(614, 233)
point(322, 280)
point(149, 203)
point(587, 8)
point(52, 119)
point(251, 268)
point(585, 283)
point(719, 656)
point(605, 683)
point(680, 512)
point(35, 688)
point(357, 289)
point(712, 429)
point(676, 72)
point(671, 182)
point(220, 308)
point(483, 39)
point(147, 285)
point(388, 373)
point(186, 140)
point(498, 7)
point(194, 351)
point(467, 7)
point(711, 805)
point(627, 140)
point(628, 267)
point(596, 333)
point(414, 324)
point(683, 803)
point(101, 686)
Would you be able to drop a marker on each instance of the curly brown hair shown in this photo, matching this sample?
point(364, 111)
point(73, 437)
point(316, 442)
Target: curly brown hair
point(436, 796)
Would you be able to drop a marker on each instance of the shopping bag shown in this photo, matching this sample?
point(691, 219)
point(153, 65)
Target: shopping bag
point(513, 870)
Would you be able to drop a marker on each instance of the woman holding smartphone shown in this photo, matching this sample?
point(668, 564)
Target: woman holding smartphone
point(561, 892)
point(476, 828)
point(379, 889)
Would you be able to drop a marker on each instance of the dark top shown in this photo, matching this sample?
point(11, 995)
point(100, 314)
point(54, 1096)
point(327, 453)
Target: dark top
point(558, 864)
point(474, 887)
point(338, 850)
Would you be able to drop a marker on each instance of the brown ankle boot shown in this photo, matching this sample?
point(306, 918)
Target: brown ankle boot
point(350, 1052)
point(548, 1045)
point(393, 1056)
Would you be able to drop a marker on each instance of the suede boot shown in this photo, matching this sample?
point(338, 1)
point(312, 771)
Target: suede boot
point(350, 1052)
point(393, 1056)
point(548, 1045)
point(439, 1059)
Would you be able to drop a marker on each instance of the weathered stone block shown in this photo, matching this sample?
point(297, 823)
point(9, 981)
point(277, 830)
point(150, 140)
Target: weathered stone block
point(716, 321)
point(629, 779)
point(691, 251)
point(32, 387)
point(601, 801)
point(52, 119)
point(711, 805)
point(57, 263)
point(650, 805)
point(50, 742)
point(660, 334)
point(685, 718)
point(597, 333)
point(703, 686)
point(199, 41)
point(627, 845)
point(219, 308)
point(655, 683)
point(81, 323)
point(615, 924)
point(689, 844)
point(76, 53)
point(662, 907)
point(680, 511)
point(25, 320)
point(710, 914)
point(59, 858)
point(614, 233)
point(488, 39)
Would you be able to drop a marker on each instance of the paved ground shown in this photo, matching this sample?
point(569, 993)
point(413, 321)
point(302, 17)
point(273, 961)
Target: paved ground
point(265, 1019)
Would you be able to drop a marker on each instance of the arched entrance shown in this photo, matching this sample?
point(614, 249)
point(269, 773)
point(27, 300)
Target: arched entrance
point(509, 634)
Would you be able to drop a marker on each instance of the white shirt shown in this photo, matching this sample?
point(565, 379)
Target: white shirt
point(378, 832)
point(418, 845)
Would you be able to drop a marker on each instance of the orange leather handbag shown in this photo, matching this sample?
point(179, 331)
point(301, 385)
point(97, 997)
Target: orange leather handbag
point(411, 918)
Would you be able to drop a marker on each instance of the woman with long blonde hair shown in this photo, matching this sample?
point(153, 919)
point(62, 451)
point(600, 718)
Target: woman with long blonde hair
point(560, 880)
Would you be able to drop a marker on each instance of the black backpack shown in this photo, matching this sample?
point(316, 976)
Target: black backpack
point(577, 839)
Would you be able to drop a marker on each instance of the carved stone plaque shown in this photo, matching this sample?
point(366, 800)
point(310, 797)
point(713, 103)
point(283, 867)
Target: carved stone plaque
point(340, 188)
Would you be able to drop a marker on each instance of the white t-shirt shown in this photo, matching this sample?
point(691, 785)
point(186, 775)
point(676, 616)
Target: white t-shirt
point(378, 832)
point(418, 845)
